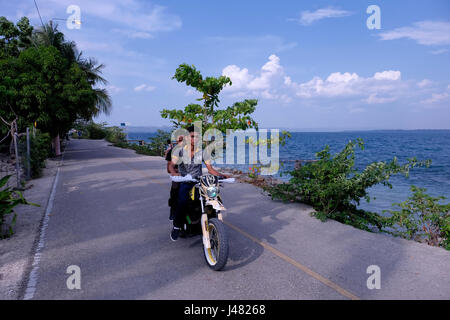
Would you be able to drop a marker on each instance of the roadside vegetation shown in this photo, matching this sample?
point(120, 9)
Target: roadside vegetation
point(334, 188)
point(9, 199)
point(91, 130)
point(422, 218)
point(47, 85)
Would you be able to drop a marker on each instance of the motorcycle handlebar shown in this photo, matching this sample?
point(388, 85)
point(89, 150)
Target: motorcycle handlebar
point(189, 178)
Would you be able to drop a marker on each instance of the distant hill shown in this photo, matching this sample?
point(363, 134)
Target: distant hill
point(148, 128)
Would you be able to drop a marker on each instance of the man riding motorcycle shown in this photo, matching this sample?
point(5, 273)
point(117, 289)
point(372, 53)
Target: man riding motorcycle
point(193, 168)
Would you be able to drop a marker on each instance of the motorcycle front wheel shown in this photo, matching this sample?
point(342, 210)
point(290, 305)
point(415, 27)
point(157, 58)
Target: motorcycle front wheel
point(216, 257)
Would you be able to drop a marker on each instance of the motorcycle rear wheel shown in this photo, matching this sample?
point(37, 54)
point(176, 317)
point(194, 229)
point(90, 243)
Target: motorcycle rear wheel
point(216, 257)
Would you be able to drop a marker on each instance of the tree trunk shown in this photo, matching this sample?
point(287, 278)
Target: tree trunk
point(56, 145)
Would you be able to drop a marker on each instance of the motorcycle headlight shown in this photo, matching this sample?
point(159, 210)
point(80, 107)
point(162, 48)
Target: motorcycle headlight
point(211, 192)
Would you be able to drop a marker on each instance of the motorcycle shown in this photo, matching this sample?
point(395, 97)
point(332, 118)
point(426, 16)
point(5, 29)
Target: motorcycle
point(204, 217)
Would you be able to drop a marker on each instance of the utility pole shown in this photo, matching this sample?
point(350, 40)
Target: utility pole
point(28, 155)
point(17, 160)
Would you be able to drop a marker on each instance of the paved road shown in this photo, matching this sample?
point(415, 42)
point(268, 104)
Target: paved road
point(110, 218)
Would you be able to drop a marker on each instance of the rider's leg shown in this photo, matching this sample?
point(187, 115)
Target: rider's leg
point(183, 196)
point(173, 200)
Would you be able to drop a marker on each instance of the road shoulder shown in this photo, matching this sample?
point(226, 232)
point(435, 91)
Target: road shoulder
point(16, 253)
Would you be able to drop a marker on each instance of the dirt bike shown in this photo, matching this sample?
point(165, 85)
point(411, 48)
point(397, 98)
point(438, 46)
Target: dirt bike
point(204, 217)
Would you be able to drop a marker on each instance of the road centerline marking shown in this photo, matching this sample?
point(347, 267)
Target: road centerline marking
point(278, 253)
point(296, 264)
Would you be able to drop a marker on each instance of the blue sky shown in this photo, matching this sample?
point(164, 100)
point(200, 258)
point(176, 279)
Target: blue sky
point(311, 64)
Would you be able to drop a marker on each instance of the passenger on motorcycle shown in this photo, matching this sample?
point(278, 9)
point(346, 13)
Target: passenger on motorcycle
point(175, 185)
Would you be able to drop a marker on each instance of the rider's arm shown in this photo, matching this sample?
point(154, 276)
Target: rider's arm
point(213, 171)
point(171, 168)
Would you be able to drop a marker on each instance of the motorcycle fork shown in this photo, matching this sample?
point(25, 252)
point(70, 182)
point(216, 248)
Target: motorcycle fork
point(204, 223)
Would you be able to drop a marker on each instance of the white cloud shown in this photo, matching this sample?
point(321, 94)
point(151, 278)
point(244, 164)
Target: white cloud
point(113, 89)
point(374, 99)
point(106, 46)
point(424, 83)
point(347, 89)
point(388, 75)
point(308, 17)
point(436, 97)
point(342, 77)
point(439, 51)
point(239, 77)
point(144, 87)
point(350, 84)
point(134, 34)
point(262, 85)
point(268, 71)
point(138, 19)
point(423, 32)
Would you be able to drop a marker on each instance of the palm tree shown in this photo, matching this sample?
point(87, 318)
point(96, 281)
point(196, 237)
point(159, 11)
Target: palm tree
point(93, 72)
point(48, 35)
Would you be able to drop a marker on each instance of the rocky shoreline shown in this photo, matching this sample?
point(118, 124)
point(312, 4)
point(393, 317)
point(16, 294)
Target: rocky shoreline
point(259, 180)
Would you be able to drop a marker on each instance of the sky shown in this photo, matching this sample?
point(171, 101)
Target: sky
point(312, 65)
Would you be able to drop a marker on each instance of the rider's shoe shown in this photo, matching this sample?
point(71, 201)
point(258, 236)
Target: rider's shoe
point(174, 234)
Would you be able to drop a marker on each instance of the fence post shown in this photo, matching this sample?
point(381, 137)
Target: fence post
point(28, 155)
point(17, 160)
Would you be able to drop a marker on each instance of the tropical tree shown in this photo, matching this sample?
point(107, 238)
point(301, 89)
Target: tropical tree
point(14, 38)
point(237, 116)
point(93, 72)
point(49, 35)
point(41, 86)
point(45, 80)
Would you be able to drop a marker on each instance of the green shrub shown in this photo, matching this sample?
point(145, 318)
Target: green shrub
point(158, 143)
point(115, 135)
point(147, 150)
point(9, 199)
point(90, 130)
point(96, 131)
point(334, 187)
point(156, 147)
point(421, 216)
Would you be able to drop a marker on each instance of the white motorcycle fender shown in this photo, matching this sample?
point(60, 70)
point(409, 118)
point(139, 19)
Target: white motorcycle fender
point(216, 205)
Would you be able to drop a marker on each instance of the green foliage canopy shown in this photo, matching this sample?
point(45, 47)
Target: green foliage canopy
point(40, 85)
point(237, 116)
point(44, 79)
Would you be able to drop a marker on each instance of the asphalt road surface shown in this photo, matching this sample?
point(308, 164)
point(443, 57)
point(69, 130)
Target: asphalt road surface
point(110, 218)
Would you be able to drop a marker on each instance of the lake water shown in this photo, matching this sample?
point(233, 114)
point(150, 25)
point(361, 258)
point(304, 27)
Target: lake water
point(379, 146)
